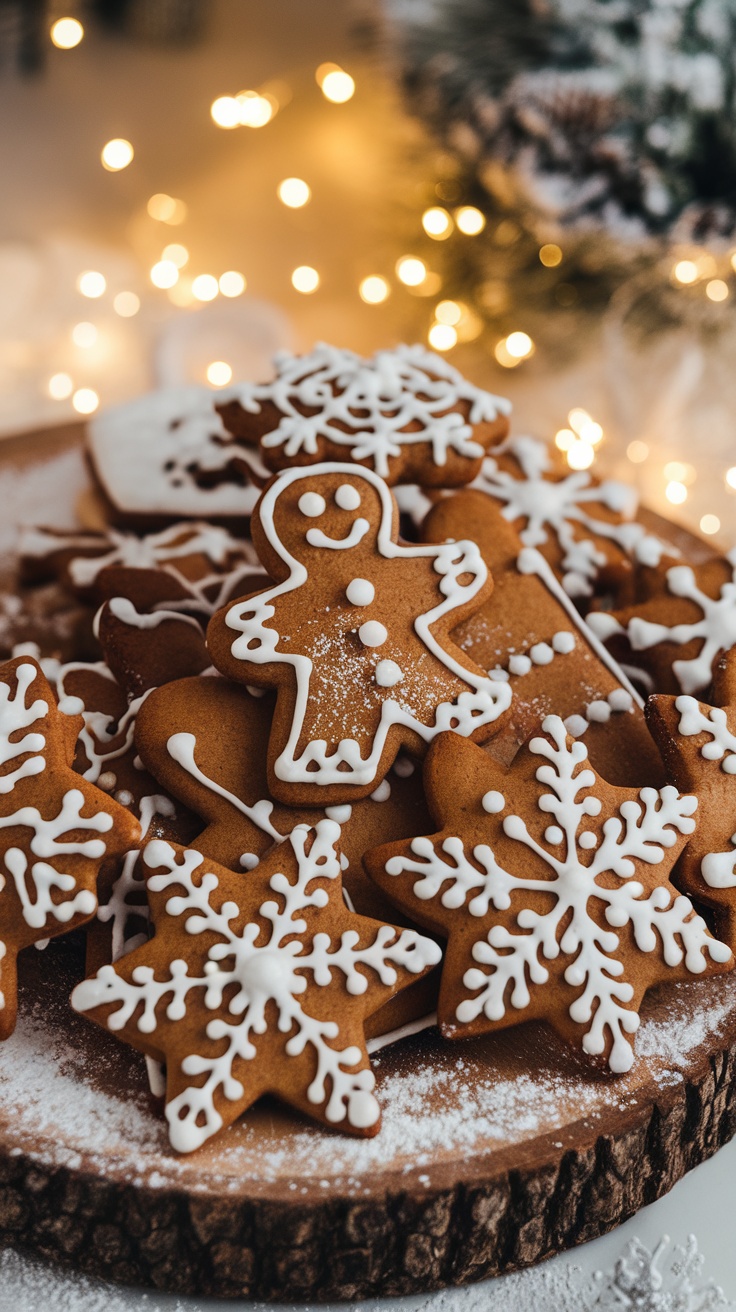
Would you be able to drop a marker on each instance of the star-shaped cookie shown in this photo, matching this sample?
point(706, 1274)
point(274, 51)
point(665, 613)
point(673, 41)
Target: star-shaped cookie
point(56, 828)
point(257, 985)
point(698, 744)
point(355, 636)
point(553, 889)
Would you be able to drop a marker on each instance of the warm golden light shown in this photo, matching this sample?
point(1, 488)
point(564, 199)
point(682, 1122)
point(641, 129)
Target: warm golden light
point(225, 112)
point(305, 279)
point(255, 110)
point(637, 452)
point(550, 255)
point(679, 471)
point(117, 154)
point(335, 84)
point(710, 524)
point(410, 270)
point(442, 336)
point(66, 33)
point(374, 289)
point(437, 223)
point(716, 290)
point(59, 387)
point(564, 439)
point(126, 304)
point(176, 253)
point(470, 220)
point(84, 335)
point(232, 283)
point(676, 492)
point(164, 274)
point(294, 192)
point(166, 209)
point(585, 426)
point(91, 284)
point(448, 312)
point(519, 345)
point(685, 271)
point(205, 287)
point(731, 477)
point(85, 401)
point(580, 455)
point(219, 373)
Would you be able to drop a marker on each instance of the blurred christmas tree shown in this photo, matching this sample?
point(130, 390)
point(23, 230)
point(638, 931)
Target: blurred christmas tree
point(584, 113)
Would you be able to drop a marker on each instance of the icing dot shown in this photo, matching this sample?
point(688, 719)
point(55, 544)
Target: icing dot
point(576, 726)
point(372, 634)
point(728, 765)
point(360, 592)
point(312, 504)
point(71, 705)
point(564, 642)
point(587, 839)
point(382, 792)
point(493, 802)
point(340, 814)
point(554, 835)
point(124, 797)
point(211, 968)
point(403, 767)
point(498, 675)
point(347, 497)
point(519, 664)
point(388, 674)
point(541, 653)
point(107, 781)
point(599, 711)
point(620, 700)
point(248, 861)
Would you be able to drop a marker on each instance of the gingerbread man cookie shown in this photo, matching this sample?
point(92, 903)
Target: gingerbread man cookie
point(407, 414)
point(553, 889)
point(531, 636)
point(683, 624)
point(584, 528)
point(257, 985)
point(56, 827)
point(698, 743)
point(355, 636)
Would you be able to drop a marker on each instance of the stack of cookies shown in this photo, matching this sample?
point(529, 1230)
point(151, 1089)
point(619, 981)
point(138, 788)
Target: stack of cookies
point(363, 746)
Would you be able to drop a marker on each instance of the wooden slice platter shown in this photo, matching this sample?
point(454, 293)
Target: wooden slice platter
point(493, 1154)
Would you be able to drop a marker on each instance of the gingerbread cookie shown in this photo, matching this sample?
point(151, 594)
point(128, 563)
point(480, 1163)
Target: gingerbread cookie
point(56, 827)
point(355, 636)
point(168, 456)
point(257, 985)
point(147, 648)
point(584, 528)
point(553, 889)
point(698, 743)
point(683, 624)
point(530, 635)
point(407, 414)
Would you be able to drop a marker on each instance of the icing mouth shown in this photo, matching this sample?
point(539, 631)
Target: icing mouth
point(317, 538)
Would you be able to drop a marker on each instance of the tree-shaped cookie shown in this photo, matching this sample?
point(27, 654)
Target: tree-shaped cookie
point(530, 634)
point(56, 827)
point(406, 413)
point(355, 636)
point(257, 985)
point(683, 624)
point(584, 528)
point(553, 889)
point(698, 744)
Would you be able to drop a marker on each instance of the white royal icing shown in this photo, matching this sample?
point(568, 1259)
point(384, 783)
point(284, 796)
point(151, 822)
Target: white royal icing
point(717, 868)
point(565, 508)
point(239, 980)
point(507, 963)
point(258, 643)
point(366, 406)
point(360, 592)
point(388, 674)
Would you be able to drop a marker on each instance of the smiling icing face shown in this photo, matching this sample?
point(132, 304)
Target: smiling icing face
point(345, 512)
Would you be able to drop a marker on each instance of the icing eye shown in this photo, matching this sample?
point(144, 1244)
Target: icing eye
point(312, 504)
point(347, 497)
point(360, 592)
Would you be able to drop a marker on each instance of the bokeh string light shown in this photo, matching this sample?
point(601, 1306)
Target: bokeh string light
point(66, 33)
point(117, 154)
point(335, 84)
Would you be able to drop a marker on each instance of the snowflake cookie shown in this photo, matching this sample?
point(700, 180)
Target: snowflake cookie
point(684, 623)
point(584, 528)
point(407, 414)
point(698, 745)
point(256, 985)
point(553, 890)
point(194, 567)
point(530, 635)
point(168, 456)
point(57, 827)
point(355, 636)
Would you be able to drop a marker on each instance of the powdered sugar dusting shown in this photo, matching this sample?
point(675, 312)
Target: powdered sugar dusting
point(31, 494)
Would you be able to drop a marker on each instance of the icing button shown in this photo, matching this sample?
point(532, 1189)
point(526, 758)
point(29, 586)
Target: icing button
point(372, 633)
point(388, 674)
point(360, 592)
